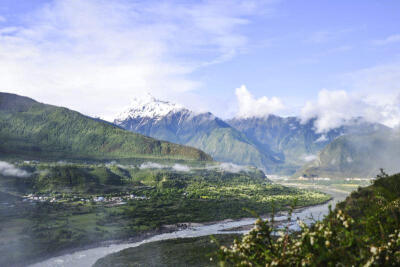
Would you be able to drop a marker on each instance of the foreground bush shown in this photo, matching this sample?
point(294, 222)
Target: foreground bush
point(361, 231)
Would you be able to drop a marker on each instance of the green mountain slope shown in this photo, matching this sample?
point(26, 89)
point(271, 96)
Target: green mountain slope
point(30, 129)
point(357, 156)
point(227, 144)
point(295, 143)
point(166, 121)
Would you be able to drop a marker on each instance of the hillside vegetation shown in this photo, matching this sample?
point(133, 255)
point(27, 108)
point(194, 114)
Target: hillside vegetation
point(29, 129)
point(364, 230)
point(194, 251)
point(358, 155)
point(293, 142)
point(53, 207)
point(203, 131)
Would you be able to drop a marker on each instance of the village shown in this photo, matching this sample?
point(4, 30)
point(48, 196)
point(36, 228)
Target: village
point(75, 198)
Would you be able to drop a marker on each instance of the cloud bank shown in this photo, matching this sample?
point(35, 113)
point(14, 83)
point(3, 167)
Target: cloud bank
point(337, 108)
point(108, 51)
point(228, 167)
point(249, 106)
point(8, 169)
point(308, 158)
point(175, 167)
point(233, 168)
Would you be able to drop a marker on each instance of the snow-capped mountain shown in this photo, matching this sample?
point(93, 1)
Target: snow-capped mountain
point(272, 143)
point(148, 107)
point(167, 121)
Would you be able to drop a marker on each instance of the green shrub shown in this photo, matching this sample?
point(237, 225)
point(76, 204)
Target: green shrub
point(364, 230)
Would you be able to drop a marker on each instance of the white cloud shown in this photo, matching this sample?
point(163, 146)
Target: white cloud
point(8, 169)
point(337, 108)
point(308, 158)
point(372, 93)
point(95, 55)
point(233, 168)
point(2, 19)
point(249, 106)
point(228, 167)
point(181, 168)
point(395, 38)
point(322, 138)
point(152, 165)
point(175, 167)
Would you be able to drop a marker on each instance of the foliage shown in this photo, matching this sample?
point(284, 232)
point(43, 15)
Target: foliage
point(363, 230)
point(195, 251)
point(30, 230)
point(357, 155)
point(203, 131)
point(29, 129)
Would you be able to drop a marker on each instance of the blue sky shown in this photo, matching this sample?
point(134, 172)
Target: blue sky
point(290, 56)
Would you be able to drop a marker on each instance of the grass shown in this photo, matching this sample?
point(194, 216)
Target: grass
point(195, 251)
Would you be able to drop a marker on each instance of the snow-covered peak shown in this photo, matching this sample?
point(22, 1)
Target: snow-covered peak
point(148, 107)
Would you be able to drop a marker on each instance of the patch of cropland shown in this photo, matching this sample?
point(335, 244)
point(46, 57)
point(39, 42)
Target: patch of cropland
point(195, 251)
point(363, 230)
point(29, 129)
point(54, 207)
point(341, 184)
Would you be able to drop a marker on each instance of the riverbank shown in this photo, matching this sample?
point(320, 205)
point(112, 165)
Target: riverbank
point(37, 229)
point(89, 256)
point(194, 251)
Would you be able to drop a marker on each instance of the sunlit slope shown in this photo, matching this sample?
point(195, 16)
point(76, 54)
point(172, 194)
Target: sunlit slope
point(292, 141)
point(201, 130)
point(31, 129)
point(357, 156)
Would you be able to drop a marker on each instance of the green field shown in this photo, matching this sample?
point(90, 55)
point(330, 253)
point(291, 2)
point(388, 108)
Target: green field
point(67, 213)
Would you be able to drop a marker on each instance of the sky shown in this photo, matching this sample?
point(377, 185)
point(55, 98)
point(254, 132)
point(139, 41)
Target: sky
point(333, 60)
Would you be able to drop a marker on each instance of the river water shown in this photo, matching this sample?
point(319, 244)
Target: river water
point(88, 257)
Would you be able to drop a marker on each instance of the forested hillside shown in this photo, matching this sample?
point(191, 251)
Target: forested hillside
point(29, 129)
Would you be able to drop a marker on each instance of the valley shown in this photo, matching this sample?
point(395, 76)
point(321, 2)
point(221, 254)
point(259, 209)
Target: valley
point(62, 206)
point(72, 184)
point(199, 133)
point(285, 146)
point(196, 236)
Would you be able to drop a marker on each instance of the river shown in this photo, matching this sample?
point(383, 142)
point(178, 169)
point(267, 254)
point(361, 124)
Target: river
point(88, 257)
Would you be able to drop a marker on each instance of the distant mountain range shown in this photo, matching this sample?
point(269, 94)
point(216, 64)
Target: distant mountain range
point(277, 145)
point(295, 142)
point(272, 143)
point(357, 155)
point(171, 122)
point(29, 129)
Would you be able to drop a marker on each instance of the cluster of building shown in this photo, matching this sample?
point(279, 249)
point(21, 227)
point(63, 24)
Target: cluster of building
point(32, 197)
point(118, 200)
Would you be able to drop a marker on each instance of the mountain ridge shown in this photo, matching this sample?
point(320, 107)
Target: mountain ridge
point(204, 131)
point(31, 128)
point(360, 155)
point(278, 145)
